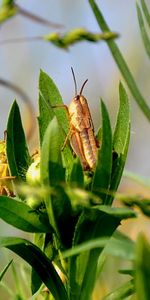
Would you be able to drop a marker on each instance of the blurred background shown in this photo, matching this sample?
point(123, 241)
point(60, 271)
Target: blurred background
point(20, 63)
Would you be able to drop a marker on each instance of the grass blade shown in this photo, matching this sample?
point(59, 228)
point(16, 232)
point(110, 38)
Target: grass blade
point(146, 12)
point(124, 291)
point(5, 269)
point(145, 37)
point(123, 67)
point(39, 261)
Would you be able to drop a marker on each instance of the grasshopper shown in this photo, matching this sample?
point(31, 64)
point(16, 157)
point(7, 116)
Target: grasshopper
point(81, 129)
point(6, 187)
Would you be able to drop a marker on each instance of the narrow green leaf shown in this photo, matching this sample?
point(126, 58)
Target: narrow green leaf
point(3, 272)
point(142, 268)
point(36, 282)
point(16, 146)
point(102, 173)
point(92, 224)
point(115, 247)
point(120, 141)
point(76, 176)
point(121, 62)
point(52, 171)
point(49, 97)
point(124, 291)
point(38, 260)
point(21, 216)
point(118, 212)
point(145, 11)
point(138, 178)
point(123, 122)
point(145, 37)
point(53, 174)
point(120, 246)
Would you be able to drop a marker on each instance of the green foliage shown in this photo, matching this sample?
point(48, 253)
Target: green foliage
point(22, 216)
point(16, 146)
point(124, 291)
point(5, 269)
point(124, 69)
point(69, 209)
point(142, 268)
point(39, 261)
point(145, 37)
point(76, 226)
point(102, 175)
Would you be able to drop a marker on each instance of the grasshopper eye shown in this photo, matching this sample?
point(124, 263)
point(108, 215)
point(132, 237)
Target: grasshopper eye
point(76, 98)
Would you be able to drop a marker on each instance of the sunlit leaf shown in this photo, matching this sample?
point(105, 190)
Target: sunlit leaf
point(16, 146)
point(49, 97)
point(120, 141)
point(102, 173)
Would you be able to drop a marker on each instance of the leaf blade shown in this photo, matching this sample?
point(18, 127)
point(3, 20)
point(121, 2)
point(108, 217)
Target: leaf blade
point(38, 260)
point(16, 146)
point(121, 139)
point(122, 65)
point(21, 216)
point(144, 35)
point(102, 173)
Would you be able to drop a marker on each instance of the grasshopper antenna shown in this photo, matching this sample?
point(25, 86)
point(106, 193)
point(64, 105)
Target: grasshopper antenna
point(82, 87)
point(75, 82)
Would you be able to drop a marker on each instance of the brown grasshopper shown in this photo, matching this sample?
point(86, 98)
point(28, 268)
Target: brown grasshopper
point(6, 187)
point(81, 129)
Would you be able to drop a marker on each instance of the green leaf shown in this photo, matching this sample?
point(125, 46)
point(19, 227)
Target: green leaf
point(76, 176)
point(48, 98)
point(142, 268)
point(102, 173)
point(142, 204)
point(115, 247)
point(16, 146)
point(145, 37)
point(121, 246)
point(120, 141)
point(21, 216)
point(53, 174)
point(3, 272)
point(138, 178)
point(125, 290)
point(52, 171)
point(146, 12)
point(92, 224)
point(121, 62)
point(38, 260)
point(36, 282)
